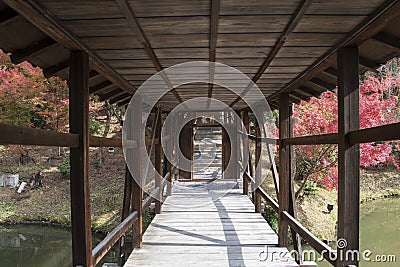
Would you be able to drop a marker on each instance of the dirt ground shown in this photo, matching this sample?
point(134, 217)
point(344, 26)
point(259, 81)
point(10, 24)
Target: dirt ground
point(51, 203)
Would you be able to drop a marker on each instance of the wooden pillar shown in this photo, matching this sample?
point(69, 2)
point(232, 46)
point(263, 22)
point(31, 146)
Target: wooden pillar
point(284, 167)
point(125, 213)
point(158, 160)
point(226, 152)
point(258, 174)
point(186, 146)
point(349, 155)
point(136, 157)
point(246, 123)
point(168, 150)
point(79, 159)
point(292, 199)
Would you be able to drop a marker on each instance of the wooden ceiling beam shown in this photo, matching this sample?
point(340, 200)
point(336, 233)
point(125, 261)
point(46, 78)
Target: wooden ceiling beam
point(323, 84)
point(294, 21)
point(7, 14)
point(368, 28)
point(368, 64)
point(124, 103)
point(120, 98)
point(50, 25)
point(214, 20)
point(53, 70)
point(30, 51)
point(129, 14)
point(388, 40)
point(99, 86)
point(331, 72)
point(110, 94)
point(309, 91)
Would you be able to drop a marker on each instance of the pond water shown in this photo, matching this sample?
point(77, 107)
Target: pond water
point(40, 246)
point(379, 233)
point(44, 246)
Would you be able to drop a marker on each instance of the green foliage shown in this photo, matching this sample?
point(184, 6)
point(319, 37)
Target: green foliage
point(310, 188)
point(96, 128)
point(271, 217)
point(64, 167)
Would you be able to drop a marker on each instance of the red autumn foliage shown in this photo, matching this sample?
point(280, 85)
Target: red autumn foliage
point(379, 105)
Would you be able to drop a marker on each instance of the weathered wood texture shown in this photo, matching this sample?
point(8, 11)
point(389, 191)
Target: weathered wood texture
point(186, 147)
point(284, 167)
point(206, 224)
point(349, 154)
point(283, 45)
point(79, 160)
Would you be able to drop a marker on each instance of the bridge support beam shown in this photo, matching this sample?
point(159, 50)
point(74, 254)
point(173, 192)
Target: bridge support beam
point(284, 167)
point(79, 159)
point(246, 123)
point(258, 170)
point(349, 155)
point(158, 161)
point(134, 157)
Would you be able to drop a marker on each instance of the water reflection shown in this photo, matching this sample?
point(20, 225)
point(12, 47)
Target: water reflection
point(39, 246)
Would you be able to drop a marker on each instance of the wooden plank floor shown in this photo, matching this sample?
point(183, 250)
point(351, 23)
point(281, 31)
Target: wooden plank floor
point(206, 224)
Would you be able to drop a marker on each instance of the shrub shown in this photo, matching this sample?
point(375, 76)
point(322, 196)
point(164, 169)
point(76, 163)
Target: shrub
point(310, 188)
point(64, 167)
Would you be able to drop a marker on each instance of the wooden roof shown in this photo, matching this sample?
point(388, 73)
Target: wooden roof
point(282, 45)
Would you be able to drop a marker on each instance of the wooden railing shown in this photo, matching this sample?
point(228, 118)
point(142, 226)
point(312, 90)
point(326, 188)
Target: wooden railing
point(119, 231)
point(375, 134)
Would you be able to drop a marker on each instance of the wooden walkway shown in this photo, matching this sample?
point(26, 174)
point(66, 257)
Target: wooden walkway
point(204, 224)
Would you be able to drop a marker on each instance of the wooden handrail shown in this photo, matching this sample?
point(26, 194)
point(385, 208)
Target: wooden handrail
point(19, 135)
point(311, 140)
point(268, 199)
point(380, 133)
point(326, 251)
point(106, 244)
point(95, 141)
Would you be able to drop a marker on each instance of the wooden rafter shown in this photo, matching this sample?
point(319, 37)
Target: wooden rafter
point(125, 102)
point(294, 21)
point(120, 98)
point(7, 14)
point(325, 85)
point(388, 40)
point(110, 94)
point(50, 71)
point(99, 87)
point(129, 14)
point(368, 64)
point(368, 28)
point(51, 26)
point(30, 51)
point(309, 91)
point(215, 7)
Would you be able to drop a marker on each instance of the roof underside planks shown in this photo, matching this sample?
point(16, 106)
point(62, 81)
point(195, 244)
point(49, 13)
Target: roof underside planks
point(283, 46)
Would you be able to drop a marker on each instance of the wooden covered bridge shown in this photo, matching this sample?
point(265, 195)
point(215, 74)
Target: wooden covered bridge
point(292, 49)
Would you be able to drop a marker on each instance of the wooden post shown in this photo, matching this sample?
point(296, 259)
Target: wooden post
point(226, 152)
point(158, 159)
point(79, 159)
point(186, 146)
point(258, 174)
point(246, 123)
point(136, 158)
point(292, 199)
point(168, 150)
point(349, 155)
point(284, 167)
point(125, 212)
